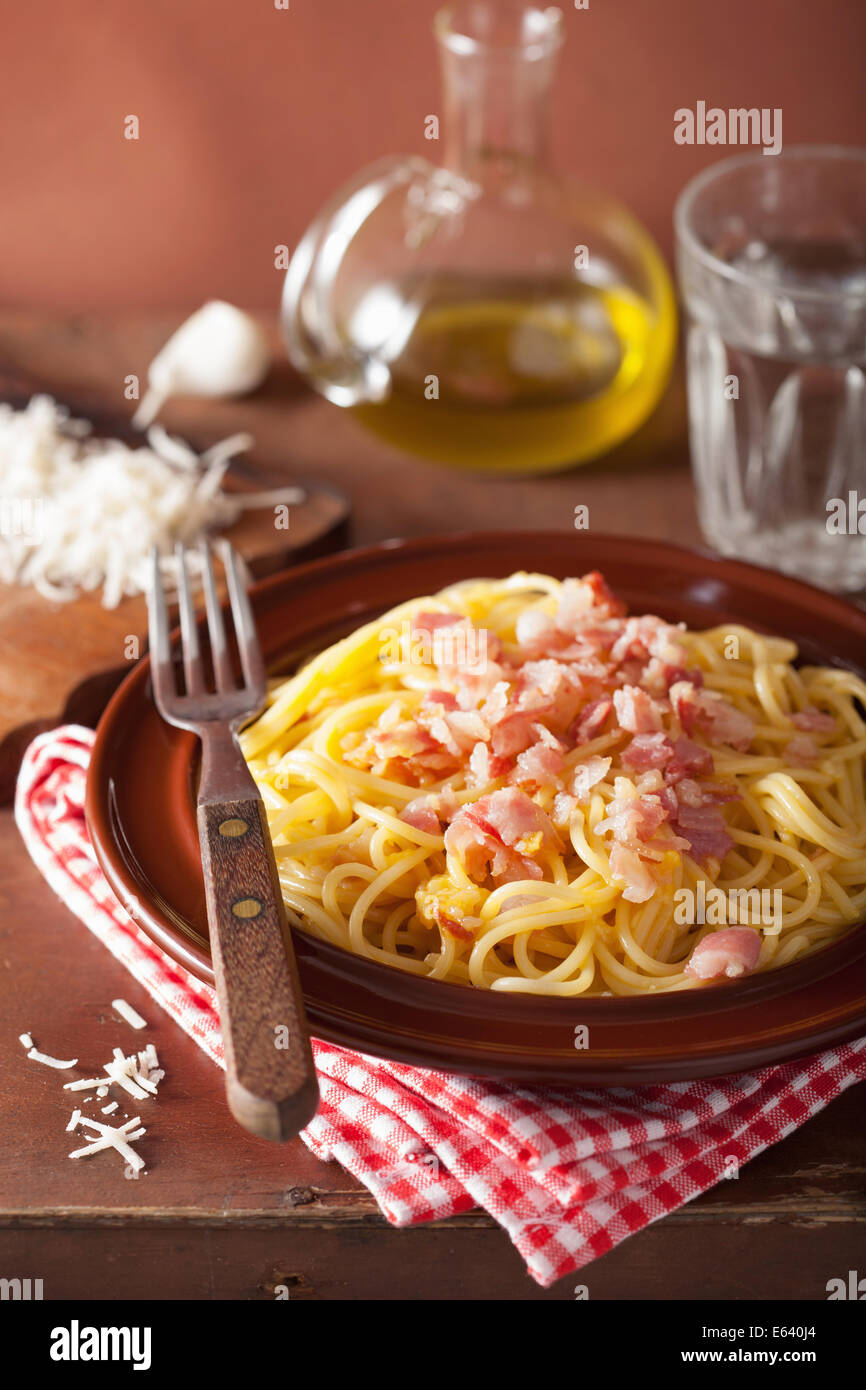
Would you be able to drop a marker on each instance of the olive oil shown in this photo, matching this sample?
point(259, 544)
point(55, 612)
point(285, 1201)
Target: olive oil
point(520, 376)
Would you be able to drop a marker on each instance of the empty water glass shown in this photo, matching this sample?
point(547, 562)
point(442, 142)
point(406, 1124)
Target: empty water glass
point(771, 255)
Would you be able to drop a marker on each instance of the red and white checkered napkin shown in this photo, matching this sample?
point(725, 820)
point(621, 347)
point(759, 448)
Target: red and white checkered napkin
point(568, 1173)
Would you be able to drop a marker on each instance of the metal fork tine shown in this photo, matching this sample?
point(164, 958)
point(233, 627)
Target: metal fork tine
point(160, 649)
point(222, 666)
point(245, 630)
point(192, 662)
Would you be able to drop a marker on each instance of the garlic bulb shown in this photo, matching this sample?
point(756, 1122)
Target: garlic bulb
point(219, 351)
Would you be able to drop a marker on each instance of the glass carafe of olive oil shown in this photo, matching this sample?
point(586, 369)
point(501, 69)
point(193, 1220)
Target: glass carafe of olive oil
point(486, 312)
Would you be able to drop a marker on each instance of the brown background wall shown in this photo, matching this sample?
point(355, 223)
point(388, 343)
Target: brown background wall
point(250, 116)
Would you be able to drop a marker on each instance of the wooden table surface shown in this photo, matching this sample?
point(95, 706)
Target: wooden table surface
point(220, 1214)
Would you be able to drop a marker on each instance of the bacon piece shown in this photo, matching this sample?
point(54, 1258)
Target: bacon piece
point(420, 814)
point(512, 734)
point(474, 684)
point(498, 834)
point(723, 722)
point(716, 793)
point(690, 759)
point(588, 775)
point(430, 811)
point(585, 598)
point(636, 711)
point(704, 828)
point(549, 689)
point(392, 716)
point(468, 664)
point(658, 676)
point(731, 952)
point(452, 640)
point(715, 716)
point(497, 704)
point(632, 643)
point(814, 721)
point(802, 750)
point(401, 748)
point(442, 734)
point(482, 852)
point(468, 659)
point(445, 698)
point(405, 740)
point(594, 674)
point(689, 793)
point(456, 730)
point(548, 738)
point(467, 726)
point(633, 819)
point(448, 641)
point(648, 751)
point(648, 638)
point(627, 866)
point(536, 633)
point(650, 781)
point(538, 766)
point(516, 819)
point(564, 807)
point(453, 927)
point(605, 600)
point(485, 767)
point(683, 698)
point(592, 720)
point(479, 765)
point(423, 624)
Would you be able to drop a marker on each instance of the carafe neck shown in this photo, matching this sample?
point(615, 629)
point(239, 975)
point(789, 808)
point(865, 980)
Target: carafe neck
point(498, 62)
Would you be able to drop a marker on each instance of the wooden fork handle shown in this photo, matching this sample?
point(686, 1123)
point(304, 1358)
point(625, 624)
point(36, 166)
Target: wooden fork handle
point(270, 1078)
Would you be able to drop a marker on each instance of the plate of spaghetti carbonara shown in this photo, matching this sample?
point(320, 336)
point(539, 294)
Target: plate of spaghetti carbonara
point(517, 785)
point(568, 809)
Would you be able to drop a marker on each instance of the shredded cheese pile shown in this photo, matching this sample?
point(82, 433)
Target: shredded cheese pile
point(109, 1137)
point(139, 1075)
point(79, 513)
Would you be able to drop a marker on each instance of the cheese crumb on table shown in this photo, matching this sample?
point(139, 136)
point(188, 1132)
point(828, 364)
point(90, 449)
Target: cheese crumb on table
point(128, 1013)
point(51, 1061)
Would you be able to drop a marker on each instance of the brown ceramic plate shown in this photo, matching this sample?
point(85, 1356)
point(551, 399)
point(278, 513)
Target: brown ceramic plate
point(141, 815)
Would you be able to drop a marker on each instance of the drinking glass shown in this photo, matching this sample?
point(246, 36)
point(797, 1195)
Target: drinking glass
point(771, 256)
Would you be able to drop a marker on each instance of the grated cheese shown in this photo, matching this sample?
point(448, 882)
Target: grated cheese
point(109, 1137)
point(79, 513)
point(119, 1074)
point(139, 1074)
point(128, 1013)
point(50, 1061)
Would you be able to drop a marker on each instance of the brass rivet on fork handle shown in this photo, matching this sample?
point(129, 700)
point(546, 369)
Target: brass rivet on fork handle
point(272, 1089)
point(233, 827)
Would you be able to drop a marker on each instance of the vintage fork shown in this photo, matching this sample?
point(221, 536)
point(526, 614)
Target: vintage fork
point(270, 1078)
